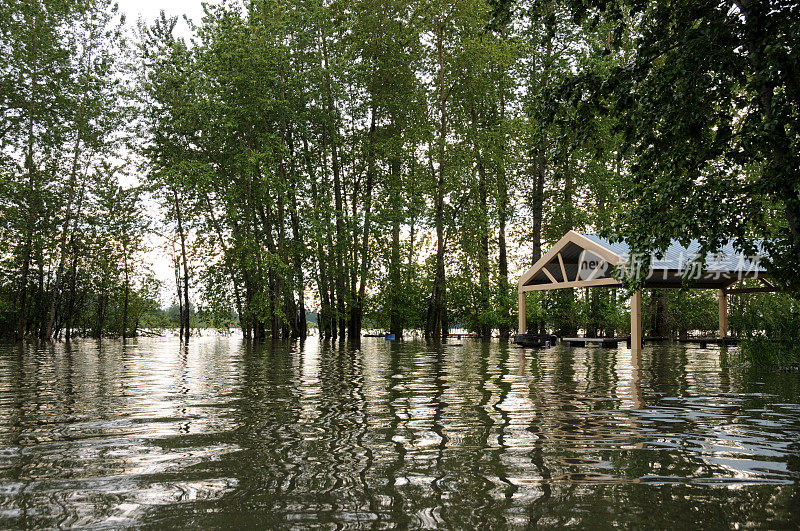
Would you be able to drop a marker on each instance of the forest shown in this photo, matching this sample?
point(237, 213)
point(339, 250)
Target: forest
point(388, 164)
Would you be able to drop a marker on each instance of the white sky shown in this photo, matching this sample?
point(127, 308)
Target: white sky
point(149, 9)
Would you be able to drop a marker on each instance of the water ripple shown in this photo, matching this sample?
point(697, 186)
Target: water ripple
point(225, 433)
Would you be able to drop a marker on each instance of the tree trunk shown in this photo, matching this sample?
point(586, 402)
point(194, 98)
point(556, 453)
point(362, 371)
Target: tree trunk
point(539, 149)
point(395, 279)
point(29, 163)
point(434, 325)
point(227, 258)
point(101, 315)
point(659, 298)
point(282, 288)
point(358, 304)
point(63, 243)
point(180, 299)
point(299, 327)
point(571, 327)
point(185, 311)
point(324, 316)
point(484, 302)
point(126, 295)
point(502, 214)
point(273, 278)
point(340, 273)
point(537, 204)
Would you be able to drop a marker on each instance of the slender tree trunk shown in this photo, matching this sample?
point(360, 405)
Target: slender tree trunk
point(592, 328)
point(340, 272)
point(539, 153)
point(101, 316)
point(352, 261)
point(395, 280)
point(283, 288)
point(180, 298)
point(504, 301)
point(41, 292)
point(571, 327)
point(540, 147)
point(339, 245)
point(70, 307)
point(185, 311)
point(227, 259)
point(484, 326)
point(63, 243)
point(331, 253)
point(72, 250)
point(273, 279)
point(31, 200)
point(434, 326)
point(126, 294)
point(245, 317)
point(537, 204)
point(299, 326)
point(358, 305)
point(323, 319)
point(253, 269)
point(502, 213)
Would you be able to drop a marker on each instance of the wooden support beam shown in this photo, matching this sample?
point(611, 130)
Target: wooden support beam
point(549, 275)
point(723, 314)
point(609, 281)
point(563, 269)
point(636, 322)
point(580, 261)
point(596, 269)
point(522, 309)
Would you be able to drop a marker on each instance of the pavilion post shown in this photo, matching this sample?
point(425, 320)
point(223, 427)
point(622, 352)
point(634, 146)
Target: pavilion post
point(636, 322)
point(723, 314)
point(523, 325)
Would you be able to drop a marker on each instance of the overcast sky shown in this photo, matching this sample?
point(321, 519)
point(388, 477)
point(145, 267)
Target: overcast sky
point(149, 9)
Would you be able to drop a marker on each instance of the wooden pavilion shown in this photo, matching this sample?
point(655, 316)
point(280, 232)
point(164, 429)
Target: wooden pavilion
point(586, 260)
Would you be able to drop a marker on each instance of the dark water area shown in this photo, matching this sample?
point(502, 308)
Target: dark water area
point(222, 433)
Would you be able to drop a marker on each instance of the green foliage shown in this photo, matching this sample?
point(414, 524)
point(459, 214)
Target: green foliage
point(72, 237)
point(768, 322)
point(394, 163)
point(708, 108)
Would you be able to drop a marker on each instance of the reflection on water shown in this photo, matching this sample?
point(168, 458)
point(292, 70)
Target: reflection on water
point(395, 434)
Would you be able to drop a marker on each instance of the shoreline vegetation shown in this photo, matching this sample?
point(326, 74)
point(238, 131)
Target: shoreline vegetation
point(390, 165)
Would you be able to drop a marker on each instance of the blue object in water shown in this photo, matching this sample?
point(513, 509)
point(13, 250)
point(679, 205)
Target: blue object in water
point(389, 337)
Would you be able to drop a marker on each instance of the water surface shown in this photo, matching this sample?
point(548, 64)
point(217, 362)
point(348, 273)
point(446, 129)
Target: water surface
point(224, 433)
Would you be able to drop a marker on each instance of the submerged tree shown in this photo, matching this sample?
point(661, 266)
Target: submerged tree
point(64, 111)
point(387, 163)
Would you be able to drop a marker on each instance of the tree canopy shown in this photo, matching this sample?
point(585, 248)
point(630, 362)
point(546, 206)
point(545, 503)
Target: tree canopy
point(388, 164)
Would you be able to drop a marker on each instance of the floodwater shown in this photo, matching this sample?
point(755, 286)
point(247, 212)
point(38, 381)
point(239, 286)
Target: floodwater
point(403, 434)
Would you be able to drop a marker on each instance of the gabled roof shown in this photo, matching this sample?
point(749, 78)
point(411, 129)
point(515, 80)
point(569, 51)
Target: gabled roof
point(677, 256)
point(582, 260)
